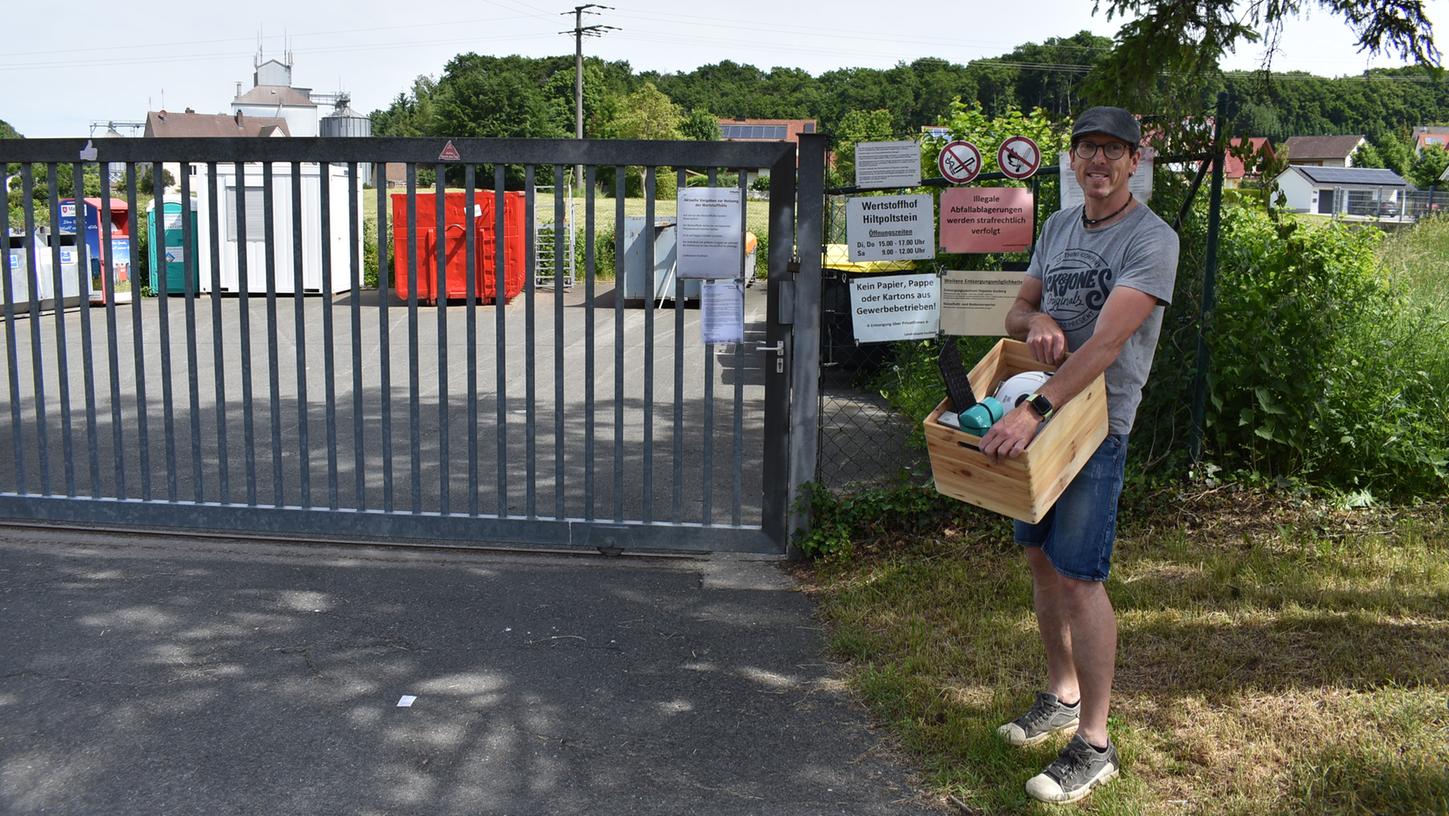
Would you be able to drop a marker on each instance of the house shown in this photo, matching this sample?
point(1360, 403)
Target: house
point(1362, 191)
point(764, 130)
point(1237, 170)
point(1430, 136)
point(190, 124)
point(1323, 151)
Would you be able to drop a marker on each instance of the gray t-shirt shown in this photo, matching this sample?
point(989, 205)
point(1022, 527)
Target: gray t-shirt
point(1079, 268)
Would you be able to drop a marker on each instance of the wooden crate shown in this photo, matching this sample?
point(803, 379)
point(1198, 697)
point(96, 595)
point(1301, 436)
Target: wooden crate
point(1023, 488)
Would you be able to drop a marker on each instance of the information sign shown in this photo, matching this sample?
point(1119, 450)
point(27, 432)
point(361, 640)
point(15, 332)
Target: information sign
point(986, 219)
point(890, 228)
point(895, 307)
point(880, 165)
point(974, 304)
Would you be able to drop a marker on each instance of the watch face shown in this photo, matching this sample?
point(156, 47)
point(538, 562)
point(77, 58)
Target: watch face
point(1042, 405)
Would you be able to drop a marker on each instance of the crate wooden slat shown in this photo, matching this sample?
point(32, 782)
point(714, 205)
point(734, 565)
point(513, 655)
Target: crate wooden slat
point(1023, 488)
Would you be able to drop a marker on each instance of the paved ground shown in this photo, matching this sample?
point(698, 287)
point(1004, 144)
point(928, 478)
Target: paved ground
point(143, 675)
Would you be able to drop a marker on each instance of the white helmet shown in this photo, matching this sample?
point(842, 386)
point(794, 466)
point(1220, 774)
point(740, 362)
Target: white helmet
point(1019, 387)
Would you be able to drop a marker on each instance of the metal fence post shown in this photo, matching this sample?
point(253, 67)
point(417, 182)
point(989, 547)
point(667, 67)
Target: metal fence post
point(805, 374)
point(1209, 283)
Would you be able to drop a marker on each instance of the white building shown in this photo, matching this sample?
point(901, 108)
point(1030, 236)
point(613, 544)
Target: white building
point(1366, 191)
point(272, 95)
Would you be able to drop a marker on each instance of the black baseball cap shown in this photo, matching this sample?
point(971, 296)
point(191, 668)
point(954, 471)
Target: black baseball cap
point(1111, 121)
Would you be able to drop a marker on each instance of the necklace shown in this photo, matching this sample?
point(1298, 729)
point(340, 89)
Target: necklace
point(1092, 222)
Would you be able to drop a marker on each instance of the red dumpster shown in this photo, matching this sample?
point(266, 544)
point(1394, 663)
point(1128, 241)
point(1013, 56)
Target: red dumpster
point(455, 246)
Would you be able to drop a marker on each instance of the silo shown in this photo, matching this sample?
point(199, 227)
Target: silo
point(344, 122)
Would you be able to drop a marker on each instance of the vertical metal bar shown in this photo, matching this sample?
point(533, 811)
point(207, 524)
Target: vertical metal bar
point(62, 353)
point(470, 238)
point(414, 438)
point(329, 369)
point(707, 510)
point(299, 342)
point(677, 499)
point(620, 189)
point(244, 311)
point(12, 357)
point(164, 319)
point(37, 361)
point(501, 350)
point(530, 384)
point(218, 357)
point(143, 441)
point(441, 225)
point(355, 236)
point(739, 429)
point(82, 269)
point(193, 384)
point(384, 348)
point(112, 339)
point(559, 243)
point(1209, 283)
point(649, 304)
point(590, 183)
point(273, 372)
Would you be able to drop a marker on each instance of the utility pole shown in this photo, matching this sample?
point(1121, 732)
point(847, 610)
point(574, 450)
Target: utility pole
point(580, 31)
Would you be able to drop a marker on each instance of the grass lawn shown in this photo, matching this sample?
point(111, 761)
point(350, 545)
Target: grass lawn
point(1274, 657)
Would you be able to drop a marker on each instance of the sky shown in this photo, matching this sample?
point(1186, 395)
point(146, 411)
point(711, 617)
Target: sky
point(98, 64)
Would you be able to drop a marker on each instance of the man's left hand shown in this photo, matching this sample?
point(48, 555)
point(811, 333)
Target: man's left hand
point(1009, 436)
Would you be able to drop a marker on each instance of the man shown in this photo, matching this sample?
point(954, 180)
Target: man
point(1096, 286)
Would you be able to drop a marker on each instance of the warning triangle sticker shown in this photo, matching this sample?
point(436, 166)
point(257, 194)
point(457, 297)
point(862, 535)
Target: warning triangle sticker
point(449, 153)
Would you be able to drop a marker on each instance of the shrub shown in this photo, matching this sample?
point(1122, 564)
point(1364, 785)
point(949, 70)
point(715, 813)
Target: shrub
point(1320, 369)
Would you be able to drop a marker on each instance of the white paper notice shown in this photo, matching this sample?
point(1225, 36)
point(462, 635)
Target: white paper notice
point(887, 164)
point(711, 233)
point(891, 228)
point(1140, 184)
point(722, 311)
point(974, 304)
point(895, 307)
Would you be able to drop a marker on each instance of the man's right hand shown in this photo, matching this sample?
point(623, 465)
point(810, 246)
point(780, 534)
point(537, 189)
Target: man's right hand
point(1047, 341)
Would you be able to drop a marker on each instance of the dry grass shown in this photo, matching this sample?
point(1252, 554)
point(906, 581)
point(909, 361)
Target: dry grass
point(1274, 658)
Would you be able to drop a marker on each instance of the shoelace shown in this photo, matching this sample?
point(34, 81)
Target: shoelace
point(1073, 761)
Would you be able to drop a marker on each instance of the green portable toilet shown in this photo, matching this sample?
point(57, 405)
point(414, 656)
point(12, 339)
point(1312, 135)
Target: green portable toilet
point(176, 261)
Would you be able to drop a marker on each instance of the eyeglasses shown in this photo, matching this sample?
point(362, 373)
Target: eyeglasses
point(1085, 150)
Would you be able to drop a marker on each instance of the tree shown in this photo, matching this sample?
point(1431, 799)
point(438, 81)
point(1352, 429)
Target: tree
point(1429, 166)
point(410, 114)
point(700, 126)
point(648, 114)
point(856, 126)
point(8, 132)
point(1167, 54)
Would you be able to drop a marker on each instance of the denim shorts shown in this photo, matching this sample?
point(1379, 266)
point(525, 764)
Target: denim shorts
point(1077, 533)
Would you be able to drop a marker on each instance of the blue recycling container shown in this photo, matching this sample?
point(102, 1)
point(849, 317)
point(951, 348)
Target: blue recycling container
point(178, 267)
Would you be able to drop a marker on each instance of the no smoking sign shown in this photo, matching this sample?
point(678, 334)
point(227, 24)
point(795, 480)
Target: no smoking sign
point(959, 162)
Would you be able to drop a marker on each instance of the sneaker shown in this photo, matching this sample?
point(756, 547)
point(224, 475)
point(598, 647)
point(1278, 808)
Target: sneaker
point(1079, 769)
point(1046, 716)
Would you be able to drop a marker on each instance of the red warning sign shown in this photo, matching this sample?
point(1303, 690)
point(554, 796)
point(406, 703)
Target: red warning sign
point(449, 153)
point(1018, 158)
point(959, 162)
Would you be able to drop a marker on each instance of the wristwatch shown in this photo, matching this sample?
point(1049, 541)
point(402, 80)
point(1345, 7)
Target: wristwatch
point(1041, 405)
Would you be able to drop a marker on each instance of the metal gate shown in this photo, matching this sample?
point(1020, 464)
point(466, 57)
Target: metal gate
point(260, 387)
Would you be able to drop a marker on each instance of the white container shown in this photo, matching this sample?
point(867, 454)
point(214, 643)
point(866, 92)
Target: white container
point(283, 255)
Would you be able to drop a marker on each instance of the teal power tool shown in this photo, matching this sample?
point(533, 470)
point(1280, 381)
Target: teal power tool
point(975, 416)
point(981, 416)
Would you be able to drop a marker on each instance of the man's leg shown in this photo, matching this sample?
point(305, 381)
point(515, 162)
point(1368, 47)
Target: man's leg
point(1093, 649)
point(1053, 624)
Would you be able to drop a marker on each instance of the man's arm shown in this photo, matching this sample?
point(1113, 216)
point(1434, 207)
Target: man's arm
point(1123, 313)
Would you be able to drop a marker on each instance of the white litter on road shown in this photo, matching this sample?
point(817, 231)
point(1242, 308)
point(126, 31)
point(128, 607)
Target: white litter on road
point(406, 701)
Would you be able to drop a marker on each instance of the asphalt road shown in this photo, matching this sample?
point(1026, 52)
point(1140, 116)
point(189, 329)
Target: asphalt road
point(144, 675)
